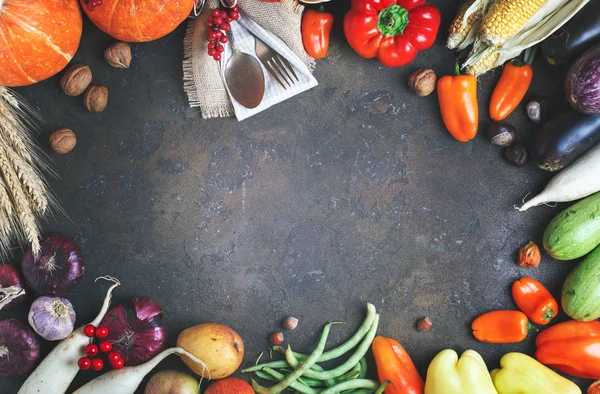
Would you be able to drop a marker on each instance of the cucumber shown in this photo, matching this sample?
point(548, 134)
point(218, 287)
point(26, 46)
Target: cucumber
point(575, 231)
point(581, 291)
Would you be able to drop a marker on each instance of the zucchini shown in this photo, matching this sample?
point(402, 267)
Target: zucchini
point(581, 291)
point(575, 231)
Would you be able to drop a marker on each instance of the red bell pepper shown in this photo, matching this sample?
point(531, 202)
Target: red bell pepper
point(394, 31)
point(572, 347)
point(394, 365)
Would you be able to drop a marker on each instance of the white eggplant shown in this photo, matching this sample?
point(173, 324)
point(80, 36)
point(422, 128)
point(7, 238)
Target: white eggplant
point(579, 180)
point(56, 372)
point(127, 379)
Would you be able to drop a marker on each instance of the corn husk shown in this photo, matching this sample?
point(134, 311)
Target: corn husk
point(552, 15)
point(24, 194)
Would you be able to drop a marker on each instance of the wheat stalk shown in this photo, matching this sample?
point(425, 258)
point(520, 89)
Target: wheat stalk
point(30, 180)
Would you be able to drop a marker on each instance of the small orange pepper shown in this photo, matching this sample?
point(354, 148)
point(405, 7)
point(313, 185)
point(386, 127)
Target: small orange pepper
point(316, 28)
point(534, 300)
point(501, 327)
point(510, 89)
point(457, 95)
point(394, 364)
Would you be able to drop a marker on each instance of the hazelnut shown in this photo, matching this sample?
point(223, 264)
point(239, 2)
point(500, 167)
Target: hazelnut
point(424, 324)
point(118, 55)
point(76, 79)
point(422, 82)
point(594, 388)
point(290, 323)
point(529, 255)
point(96, 98)
point(276, 338)
point(63, 141)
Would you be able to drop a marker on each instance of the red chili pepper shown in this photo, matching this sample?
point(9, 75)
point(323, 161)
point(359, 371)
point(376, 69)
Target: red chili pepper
point(394, 31)
point(395, 365)
point(572, 347)
point(534, 300)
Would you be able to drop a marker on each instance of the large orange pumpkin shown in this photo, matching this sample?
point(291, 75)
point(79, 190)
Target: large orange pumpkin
point(38, 38)
point(139, 20)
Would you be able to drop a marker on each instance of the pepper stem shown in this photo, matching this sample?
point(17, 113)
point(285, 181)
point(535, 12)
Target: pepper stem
point(392, 20)
point(548, 315)
point(456, 69)
point(518, 62)
point(531, 327)
point(321, 7)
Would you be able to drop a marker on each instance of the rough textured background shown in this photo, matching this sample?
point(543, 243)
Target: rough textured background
point(351, 192)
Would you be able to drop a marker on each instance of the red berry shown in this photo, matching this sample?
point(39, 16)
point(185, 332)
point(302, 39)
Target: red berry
point(113, 356)
point(219, 33)
point(211, 45)
point(84, 363)
point(212, 52)
point(216, 13)
point(220, 48)
point(235, 8)
point(225, 26)
point(223, 14)
point(118, 364)
point(91, 350)
point(209, 23)
point(105, 346)
point(223, 39)
point(229, 19)
point(217, 57)
point(89, 330)
point(101, 332)
point(235, 15)
point(97, 364)
point(212, 36)
point(218, 20)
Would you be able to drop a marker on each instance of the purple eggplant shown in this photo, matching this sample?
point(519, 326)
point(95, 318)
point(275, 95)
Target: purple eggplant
point(564, 139)
point(577, 35)
point(583, 82)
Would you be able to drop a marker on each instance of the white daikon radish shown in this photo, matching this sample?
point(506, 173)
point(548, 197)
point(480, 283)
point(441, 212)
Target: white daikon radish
point(578, 180)
point(126, 380)
point(56, 372)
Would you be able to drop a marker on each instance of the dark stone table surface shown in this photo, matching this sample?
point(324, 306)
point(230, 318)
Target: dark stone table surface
point(350, 192)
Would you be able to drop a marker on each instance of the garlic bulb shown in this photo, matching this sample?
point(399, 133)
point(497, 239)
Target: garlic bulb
point(53, 318)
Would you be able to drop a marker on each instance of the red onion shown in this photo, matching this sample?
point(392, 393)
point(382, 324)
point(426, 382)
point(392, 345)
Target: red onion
point(19, 347)
point(57, 269)
point(136, 330)
point(11, 287)
point(53, 318)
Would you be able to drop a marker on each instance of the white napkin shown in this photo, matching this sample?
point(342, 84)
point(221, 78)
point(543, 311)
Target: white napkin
point(244, 30)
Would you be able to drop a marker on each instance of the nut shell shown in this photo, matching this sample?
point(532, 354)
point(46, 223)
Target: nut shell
point(76, 79)
point(96, 98)
point(63, 141)
point(530, 255)
point(118, 55)
point(424, 324)
point(422, 82)
point(276, 338)
point(290, 323)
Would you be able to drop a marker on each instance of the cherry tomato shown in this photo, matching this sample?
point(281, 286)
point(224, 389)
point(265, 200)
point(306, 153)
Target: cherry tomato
point(89, 330)
point(97, 364)
point(84, 363)
point(105, 346)
point(91, 350)
point(101, 332)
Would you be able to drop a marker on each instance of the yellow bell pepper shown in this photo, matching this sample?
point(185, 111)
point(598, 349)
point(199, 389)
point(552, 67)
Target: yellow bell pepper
point(521, 374)
point(447, 374)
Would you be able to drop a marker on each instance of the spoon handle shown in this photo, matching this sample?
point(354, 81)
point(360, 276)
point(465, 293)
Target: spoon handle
point(231, 40)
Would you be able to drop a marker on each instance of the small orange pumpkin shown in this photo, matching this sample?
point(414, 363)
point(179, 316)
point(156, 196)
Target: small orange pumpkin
point(139, 20)
point(38, 38)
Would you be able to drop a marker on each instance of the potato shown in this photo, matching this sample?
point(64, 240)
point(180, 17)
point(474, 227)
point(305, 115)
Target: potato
point(221, 348)
point(169, 381)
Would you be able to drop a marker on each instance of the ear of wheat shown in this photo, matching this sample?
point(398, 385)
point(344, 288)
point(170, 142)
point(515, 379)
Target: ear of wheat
point(24, 194)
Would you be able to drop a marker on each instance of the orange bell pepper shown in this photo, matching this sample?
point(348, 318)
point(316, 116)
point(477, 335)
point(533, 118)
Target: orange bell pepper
point(457, 95)
point(572, 347)
point(510, 89)
point(395, 365)
point(534, 300)
point(316, 28)
point(501, 327)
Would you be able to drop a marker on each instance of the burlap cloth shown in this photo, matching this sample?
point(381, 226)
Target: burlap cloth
point(201, 78)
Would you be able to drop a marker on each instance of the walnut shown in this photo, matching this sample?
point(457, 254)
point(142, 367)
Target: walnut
point(422, 82)
point(118, 55)
point(96, 98)
point(530, 255)
point(63, 141)
point(76, 79)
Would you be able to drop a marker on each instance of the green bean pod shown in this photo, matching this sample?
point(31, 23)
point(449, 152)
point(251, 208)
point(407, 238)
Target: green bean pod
point(294, 385)
point(351, 385)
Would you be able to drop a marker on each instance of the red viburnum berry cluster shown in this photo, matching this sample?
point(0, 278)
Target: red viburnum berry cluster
point(218, 24)
point(114, 358)
point(91, 4)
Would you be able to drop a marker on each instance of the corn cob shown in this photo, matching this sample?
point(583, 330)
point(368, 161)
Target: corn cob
point(484, 64)
point(506, 17)
point(459, 29)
